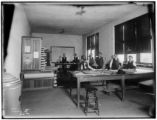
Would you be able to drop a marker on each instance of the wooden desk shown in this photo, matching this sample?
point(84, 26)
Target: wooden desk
point(83, 76)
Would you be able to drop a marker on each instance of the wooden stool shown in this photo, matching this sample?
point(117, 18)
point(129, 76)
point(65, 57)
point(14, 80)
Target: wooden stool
point(91, 102)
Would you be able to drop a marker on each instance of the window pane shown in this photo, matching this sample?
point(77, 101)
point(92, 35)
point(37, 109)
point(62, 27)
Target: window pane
point(129, 37)
point(93, 45)
point(93, 53)
point(121, 58)
point(88, 43)
point(119, 39)
point(89, 52)
point(146, 57)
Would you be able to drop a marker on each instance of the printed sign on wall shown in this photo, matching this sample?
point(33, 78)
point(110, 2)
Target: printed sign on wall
point(27, 49)
point(36, 54)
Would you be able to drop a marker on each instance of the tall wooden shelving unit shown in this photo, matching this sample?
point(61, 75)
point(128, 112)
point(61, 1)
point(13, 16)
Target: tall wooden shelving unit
point(32, 65)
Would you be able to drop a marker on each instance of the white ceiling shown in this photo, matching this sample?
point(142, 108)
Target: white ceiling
point(62, 18)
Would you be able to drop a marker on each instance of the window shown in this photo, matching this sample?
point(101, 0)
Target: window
point(133, 38)
point(91, 52)
point(121, 58)
point(146, 57)
point(93, 45)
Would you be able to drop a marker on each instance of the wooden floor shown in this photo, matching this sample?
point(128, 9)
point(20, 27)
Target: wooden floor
point(55, 103)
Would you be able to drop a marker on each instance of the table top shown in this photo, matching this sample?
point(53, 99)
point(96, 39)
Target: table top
point(103, 72)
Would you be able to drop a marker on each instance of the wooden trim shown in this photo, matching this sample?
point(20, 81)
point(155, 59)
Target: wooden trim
point(62, 47)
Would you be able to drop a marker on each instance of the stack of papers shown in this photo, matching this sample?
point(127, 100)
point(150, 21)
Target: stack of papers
point(98, 72)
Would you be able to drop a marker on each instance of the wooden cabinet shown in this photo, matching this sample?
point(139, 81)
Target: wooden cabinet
point(31, 52)
point(31, 67)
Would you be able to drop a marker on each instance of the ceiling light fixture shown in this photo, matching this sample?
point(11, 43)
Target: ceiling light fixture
point(81, 12)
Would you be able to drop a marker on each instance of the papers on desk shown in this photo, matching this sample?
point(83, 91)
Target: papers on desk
point(144, 71)
point(129, 71)
point(98, 72)
point(110, 72)
point(136, 71)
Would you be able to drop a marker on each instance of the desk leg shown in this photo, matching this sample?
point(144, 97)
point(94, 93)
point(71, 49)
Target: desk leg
point(78, 93)
point(123, 88)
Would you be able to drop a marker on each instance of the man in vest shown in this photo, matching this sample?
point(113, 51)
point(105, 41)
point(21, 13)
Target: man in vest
point(99, 61)
point(114, 63)
point(130, 64)
point(76, 61)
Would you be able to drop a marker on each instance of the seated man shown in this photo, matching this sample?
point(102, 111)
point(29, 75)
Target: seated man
point(76, 61)
point(87, 64)
point(114, 63)
point(83, 62)
point(91, 63)
point(64, 60)
point(76, 58)
point(130, 64)
point(91, 60)
point(100, 61)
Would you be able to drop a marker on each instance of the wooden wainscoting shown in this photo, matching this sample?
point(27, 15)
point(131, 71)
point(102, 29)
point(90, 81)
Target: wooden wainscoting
point(36, 84)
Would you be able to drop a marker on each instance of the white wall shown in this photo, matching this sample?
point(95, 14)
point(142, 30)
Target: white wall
point(106, 33)
point(61, 40)
point(20, 27)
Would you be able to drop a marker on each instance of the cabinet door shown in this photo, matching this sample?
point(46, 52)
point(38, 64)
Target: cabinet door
point(36, 53)
point(31, 50)
point(27, 56)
